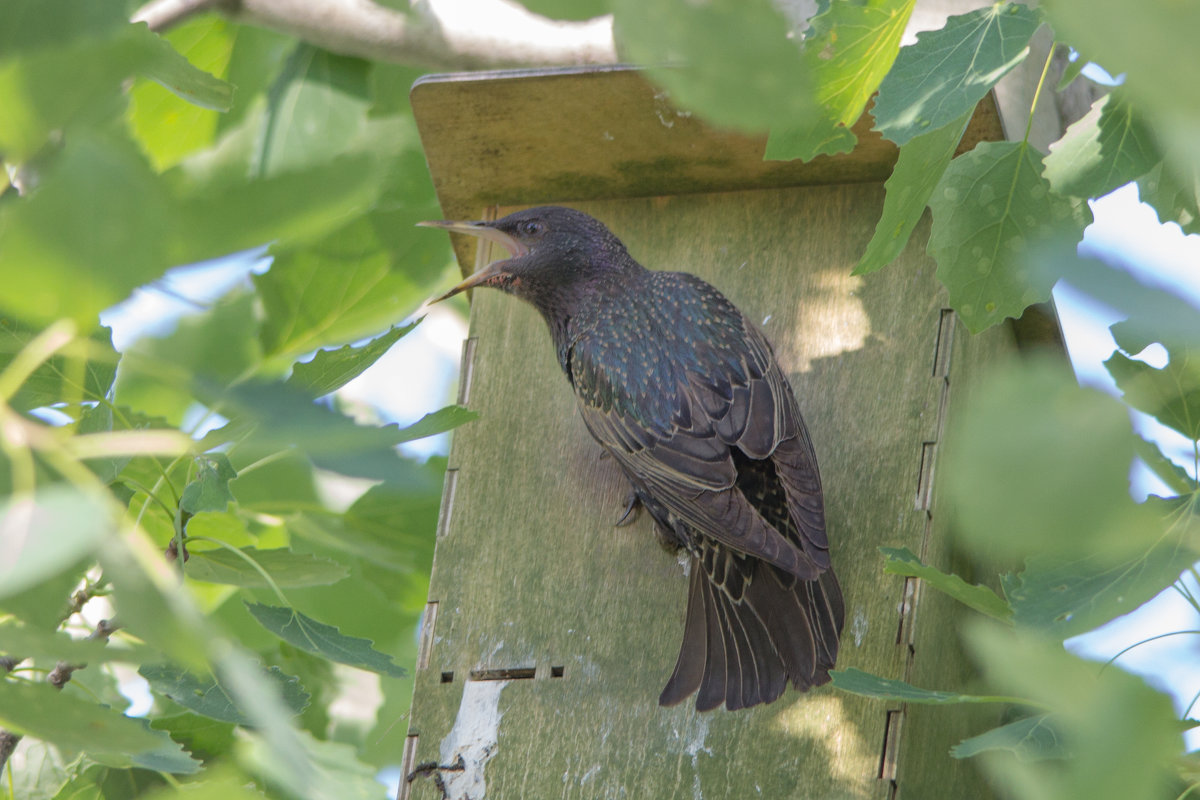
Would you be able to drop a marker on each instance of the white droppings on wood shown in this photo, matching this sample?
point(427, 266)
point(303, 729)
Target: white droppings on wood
point(474, 737)
point(858, 628)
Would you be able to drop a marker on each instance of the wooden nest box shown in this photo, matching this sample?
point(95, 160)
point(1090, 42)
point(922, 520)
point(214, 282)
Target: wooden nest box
point(549, 633)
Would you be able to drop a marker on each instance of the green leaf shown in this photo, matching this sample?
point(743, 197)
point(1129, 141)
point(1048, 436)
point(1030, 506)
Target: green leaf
point(70, 722)
point(168, 756)
point(770, 88)
point(209, 489)
point(29, 25)
point(336, 770)
point(1029, 739)
point(856, 681)
point(40, 644)
point(1143, 45)
point(918, 170)
point(902, 561)
point(815, 137)
point(1123, 736)
point(1072, 71)
point(1171, 394)
point(330, 370)
point(81, 372)
point(948, 71)
point(207, 697)
point(1110, 146)
point(314, 637)
point(1167, 471)
point(274, 416)
point(164, 65)
point(439, 421)
point(218, 345)
point(335, 291)
point(204, 737)
point(1065, 596)
point(286, 568)
point(65, 251)
point(1034, 463)
point(318, 98)
point(849, 49)
point(98, 782)
point(46, 533)
point(1174, 200)
point(167, 126)
point(992, 211)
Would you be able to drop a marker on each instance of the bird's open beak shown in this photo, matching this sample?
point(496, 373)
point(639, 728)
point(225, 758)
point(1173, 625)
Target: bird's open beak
point(483, 231)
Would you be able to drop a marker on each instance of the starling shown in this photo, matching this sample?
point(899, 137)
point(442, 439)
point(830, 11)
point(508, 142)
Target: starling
point(684, 392)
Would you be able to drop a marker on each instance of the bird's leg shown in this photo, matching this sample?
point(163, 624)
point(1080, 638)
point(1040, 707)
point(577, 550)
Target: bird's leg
point(633, 504)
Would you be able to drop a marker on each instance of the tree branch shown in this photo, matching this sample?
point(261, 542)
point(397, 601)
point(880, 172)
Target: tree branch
point(435, 34)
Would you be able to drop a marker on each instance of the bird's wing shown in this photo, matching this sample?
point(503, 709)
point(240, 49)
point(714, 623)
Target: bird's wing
point(684, 459)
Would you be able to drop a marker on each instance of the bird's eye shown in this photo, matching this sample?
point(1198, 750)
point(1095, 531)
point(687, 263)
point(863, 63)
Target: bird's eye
point(531, 228)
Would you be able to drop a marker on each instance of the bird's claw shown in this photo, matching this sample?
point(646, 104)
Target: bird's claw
point(633, 504)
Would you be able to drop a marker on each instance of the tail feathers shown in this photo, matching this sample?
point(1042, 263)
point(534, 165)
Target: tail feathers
point(744, 640)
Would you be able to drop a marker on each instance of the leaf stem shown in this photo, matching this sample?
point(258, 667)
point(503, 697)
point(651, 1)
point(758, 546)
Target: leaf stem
point(257, 567)
point(1038, 91)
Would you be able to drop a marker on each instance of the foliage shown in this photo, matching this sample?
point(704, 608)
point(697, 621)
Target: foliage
point(178, 485)
point(181, 479)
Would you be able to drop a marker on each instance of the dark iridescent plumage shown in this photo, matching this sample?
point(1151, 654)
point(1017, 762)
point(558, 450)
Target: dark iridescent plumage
point(685, 393)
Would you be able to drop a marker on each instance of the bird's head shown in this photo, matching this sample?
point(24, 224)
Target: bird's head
point(552, 249)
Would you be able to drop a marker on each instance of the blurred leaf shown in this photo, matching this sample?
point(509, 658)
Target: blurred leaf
point(1122, 735)
point(948, 71)
point(41, 644)
point(567, 9)
point(902, 561)
point(314, 637)
point(1156, 79)
point(1028, 739)
point(98, 782)
point(66, 250)
point(330, 370)
point(1037, 464)
point(1167, 471)
point(336, 291)
point(168, 126)
point(204, 737)
point(1171, 394)
point(292, 207)
point(217, 345)
point(42, 605)
point(285, 567)
point(336, 770)
point(918, 171)
point(1110, 146)
point(73, 723)
point(163, 64)
point(169, 756)
point(209, 489)
point(1072, 71)
point(991, 211)
point(856, 681)
point(770, 87)
point(436, 422)
point(47, 532)
point(320, 98)
point(207, 697)
point(389, 86)
point(276, 417)
point(39, 771)
point(83, 371)
point(28, 25)
point(848, 50)
point(1173, 200)
point(806, 141)
point(222, 782)
point(1065, 596)
point(257, 58)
